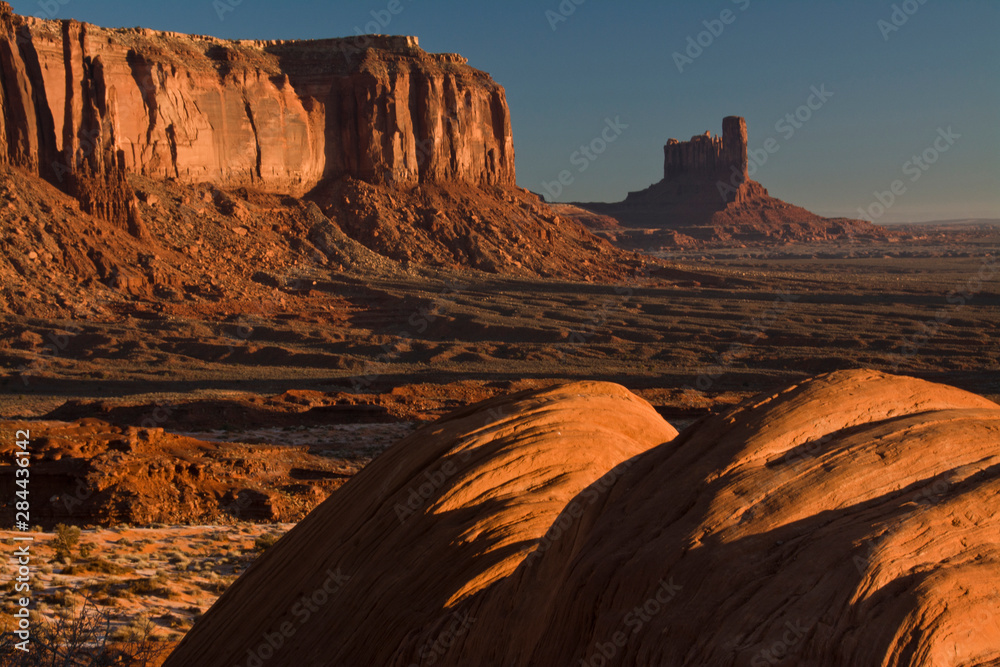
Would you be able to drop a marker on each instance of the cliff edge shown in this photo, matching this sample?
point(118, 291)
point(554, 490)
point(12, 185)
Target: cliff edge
point(278, 116)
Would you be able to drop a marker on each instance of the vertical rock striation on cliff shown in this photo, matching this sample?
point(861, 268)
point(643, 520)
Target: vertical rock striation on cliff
point(83, 106)
point(709, 157)
point(408, 153)
point(60, 117)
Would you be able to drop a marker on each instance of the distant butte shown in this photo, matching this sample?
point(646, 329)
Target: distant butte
point(707, 197)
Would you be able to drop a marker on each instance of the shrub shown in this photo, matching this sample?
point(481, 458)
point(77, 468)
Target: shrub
point(155, 586)
point(83, 639)
point(66, 538)
point(264, 542)
point(99, 565)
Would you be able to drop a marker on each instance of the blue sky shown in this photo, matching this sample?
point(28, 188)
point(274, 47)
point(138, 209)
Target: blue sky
point(897, 87)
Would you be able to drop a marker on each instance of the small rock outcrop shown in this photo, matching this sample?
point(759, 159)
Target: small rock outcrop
point(851, 519)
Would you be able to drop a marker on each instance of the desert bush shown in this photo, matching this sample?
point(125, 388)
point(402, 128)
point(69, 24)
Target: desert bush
point(63, 598)
point(215, 585)
point(99, 565)
point(143, 586)
point(83, 639)
point(139, 627)
point(66, 538)
point(265, 541)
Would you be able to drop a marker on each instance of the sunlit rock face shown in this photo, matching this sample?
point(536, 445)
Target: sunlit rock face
point(79, 103)
point(849, 519)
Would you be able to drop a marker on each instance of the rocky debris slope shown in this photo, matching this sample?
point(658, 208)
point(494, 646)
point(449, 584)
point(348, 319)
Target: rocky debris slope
point(706, 197)
point(495, 230)
point(849, 519)
point(210, 252)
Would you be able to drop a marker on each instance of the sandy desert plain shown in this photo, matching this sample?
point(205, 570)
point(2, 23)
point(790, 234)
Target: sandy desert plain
point(796, 463)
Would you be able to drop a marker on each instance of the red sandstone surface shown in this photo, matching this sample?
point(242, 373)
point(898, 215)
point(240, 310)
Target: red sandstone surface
point(848, 519)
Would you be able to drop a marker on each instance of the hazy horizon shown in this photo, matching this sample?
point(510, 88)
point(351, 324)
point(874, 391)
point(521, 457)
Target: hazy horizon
point(885, 80)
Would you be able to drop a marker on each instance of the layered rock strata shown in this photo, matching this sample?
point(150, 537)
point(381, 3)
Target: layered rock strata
point(850, 519)
point(84, 106)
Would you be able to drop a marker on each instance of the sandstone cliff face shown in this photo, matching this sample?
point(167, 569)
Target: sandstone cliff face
point(82, 104)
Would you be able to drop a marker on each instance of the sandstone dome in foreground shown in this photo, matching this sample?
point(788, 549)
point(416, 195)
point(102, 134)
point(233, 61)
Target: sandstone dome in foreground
point(851, 519)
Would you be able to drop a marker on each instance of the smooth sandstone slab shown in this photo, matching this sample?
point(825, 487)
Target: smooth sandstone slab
point(441, 517)
point(851, 519)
